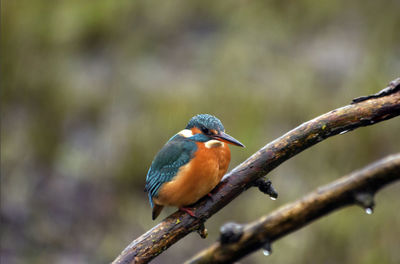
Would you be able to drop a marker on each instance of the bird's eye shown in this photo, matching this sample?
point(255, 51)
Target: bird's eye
point(205, 130)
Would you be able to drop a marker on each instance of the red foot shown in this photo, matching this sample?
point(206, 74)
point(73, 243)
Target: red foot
point(187, 210)
point(211, 197)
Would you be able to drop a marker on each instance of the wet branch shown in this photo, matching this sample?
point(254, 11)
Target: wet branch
point(364, 112)
point(357, 188)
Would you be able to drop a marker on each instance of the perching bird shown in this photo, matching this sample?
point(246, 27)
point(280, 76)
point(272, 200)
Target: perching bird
point(190, 164)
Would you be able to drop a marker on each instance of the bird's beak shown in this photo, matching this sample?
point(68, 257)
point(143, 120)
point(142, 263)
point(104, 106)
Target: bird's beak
point(228, 139)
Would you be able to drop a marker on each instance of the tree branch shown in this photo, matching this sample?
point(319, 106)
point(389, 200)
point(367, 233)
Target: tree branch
point(368, 111)
point(357, 188)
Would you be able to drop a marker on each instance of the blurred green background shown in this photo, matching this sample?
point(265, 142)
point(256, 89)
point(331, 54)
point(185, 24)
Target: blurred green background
point(91, 90)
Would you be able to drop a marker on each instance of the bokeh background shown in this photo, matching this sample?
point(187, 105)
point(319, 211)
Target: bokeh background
point(91, 90)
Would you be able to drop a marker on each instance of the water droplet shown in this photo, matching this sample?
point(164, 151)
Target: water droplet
point(369, 210)
point(344, 132)
point(272, 198)
point(266, 252)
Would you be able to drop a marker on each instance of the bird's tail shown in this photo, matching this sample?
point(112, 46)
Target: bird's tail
point(156, 211)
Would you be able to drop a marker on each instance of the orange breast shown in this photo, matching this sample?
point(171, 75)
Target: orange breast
point(197, 178)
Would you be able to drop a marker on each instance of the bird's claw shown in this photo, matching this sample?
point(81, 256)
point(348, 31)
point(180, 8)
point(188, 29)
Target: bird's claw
point(188, 211)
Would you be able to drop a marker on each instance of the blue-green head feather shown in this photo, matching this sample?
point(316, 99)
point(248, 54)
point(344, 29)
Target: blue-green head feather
point(205, 122)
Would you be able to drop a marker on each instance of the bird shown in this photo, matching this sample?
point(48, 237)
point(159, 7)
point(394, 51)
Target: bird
point(189, 165)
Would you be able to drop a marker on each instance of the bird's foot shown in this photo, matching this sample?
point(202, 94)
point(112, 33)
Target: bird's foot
point(211, 196)
point(188, 210)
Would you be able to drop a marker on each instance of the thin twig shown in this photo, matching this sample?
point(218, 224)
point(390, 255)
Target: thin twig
point(357, 188)
point(341, 120)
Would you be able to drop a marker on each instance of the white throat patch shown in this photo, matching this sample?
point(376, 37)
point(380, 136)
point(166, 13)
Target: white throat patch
point(214, 144)
point(186, 133)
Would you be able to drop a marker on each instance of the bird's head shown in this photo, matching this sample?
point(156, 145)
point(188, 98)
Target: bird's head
point(205, 127)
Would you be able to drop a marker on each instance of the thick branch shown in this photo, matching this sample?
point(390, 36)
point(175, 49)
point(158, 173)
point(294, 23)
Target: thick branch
point(357, 188)
point(366, 112)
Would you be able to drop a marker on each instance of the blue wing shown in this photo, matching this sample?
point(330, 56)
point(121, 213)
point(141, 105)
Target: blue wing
point(177, 152)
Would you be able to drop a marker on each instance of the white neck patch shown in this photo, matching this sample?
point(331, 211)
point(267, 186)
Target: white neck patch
point(214, 144)
point(186, 133)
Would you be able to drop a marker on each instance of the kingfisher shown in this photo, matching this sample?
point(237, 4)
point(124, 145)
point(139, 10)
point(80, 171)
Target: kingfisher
point(189, 165)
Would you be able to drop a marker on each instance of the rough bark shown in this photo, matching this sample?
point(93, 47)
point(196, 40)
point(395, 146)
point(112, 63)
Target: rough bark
point(364, 112)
